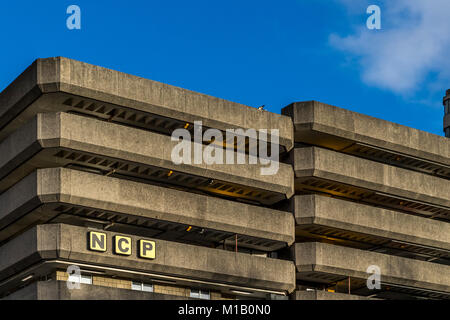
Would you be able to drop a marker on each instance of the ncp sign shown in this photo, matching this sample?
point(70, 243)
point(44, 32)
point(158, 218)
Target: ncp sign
point(122, 245)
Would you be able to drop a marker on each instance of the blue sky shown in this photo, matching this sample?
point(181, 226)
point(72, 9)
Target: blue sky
point(253, 52)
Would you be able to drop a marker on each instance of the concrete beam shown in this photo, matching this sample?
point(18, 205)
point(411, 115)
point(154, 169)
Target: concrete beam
point(325, 295)
point(369, 220)
point(371, 175)
point(321, 258)
point(59, 242)
point(38, 144)
point(57, 290)
point(34, 199)
point(61, 78)
point(332, 127)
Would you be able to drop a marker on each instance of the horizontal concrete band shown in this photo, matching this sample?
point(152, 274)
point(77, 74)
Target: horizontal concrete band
point(364, 219)
point(138, 200)
point(87, 135)
point(58, 290)
point(344, 261)
point(320, 118)
point(375, 176)
point(69, 243)
point(325, 295)
point(76, 78)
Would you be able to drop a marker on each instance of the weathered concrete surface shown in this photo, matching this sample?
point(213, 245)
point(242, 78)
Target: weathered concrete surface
point(356, 217)
point(19, 205)
point(375, 176)
point(36, 144)
point(74, 78)
point(325, 295)
point(321, 124)
point(312, 257)
point(57, 290)
point(69, 243)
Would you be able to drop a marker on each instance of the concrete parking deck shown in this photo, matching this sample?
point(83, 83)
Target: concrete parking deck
point(313, 119)
point(346, 131)
point(327, 263)
point(364, 180)
point(61, 139)
point(45, 194)
point(370, 222)
point(59, 245)
point(61, 84)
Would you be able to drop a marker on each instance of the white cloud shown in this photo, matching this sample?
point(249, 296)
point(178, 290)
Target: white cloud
point(413, 45)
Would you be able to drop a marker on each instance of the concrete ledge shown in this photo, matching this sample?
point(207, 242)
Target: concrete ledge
point(57, 290)
point(371, 175)
point(314, 257)
point(22, 205)
point(78, 79)
point(68, 243)
point(338, 128)
point(356, 217)
point(37, 144)
point(325, 295)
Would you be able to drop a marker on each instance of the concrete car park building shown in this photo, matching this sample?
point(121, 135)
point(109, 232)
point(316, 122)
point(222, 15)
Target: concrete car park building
point(87, 180)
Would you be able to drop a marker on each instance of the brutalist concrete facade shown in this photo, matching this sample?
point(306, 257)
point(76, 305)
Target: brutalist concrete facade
point(86, 156)
point(87, 181)
point(370, 196)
